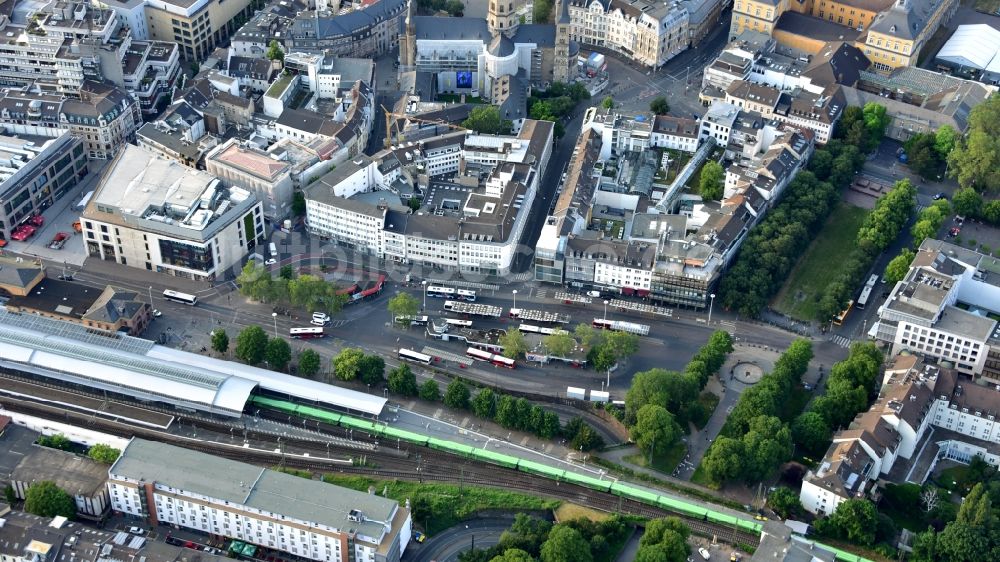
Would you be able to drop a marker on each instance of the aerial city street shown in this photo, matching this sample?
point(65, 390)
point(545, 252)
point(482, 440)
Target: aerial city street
point(500, 281)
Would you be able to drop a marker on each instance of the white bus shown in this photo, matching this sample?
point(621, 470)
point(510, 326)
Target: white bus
point(458, 323)
point(274, 250)
point(440, 292)
point(413, 356)
point(866, 293)
point(464, 295)
point(478, 354)
point(307, 333)
point(182, 298)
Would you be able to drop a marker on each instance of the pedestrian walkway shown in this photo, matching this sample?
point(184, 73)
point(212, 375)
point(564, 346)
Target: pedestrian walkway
point(841, 341)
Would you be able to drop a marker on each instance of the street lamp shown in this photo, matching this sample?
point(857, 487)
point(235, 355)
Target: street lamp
point(424, 284)
point(605, 310)
point(274, 316)
point(515, 297)
point(710, 304)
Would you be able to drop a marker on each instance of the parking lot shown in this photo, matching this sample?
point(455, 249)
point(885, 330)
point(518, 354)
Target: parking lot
point(59, 218)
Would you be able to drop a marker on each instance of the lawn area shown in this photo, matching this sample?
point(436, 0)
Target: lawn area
point(665, 463)
point(701, 477)
point(442, 505)
point(569, 511)
point(801, 293)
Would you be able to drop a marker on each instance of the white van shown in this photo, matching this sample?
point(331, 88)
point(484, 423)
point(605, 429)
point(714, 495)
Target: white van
point(274, 250)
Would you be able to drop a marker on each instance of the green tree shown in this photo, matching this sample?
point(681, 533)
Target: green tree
point(277, 354)
point(991, 212)
point(298, 204)
point(668, 551)
point(515, 345)
point(968, 202)
point(403, 381)
point(527, 534)
point(587, 335)
point(657, 528)
point(513, 555)
point(712, 181)
point(309, 363)
point(485, 119)
point(897, 268)
point(608, 103)
point(975, 159)
point(655, 430)
point(403, 305)
point(921, 230)
point(220, 340)
point(287, 272)
point(565, 544)
point(455, 8)
point(429, 391)
point(853, 520)
point(372, 370)
point(9, 494)
point(254, 281)
point(811, 432)
point(768, 443)
point(251, 344)
point(725, 459)
point(274, 51)
point(413, 203)
point(457, 395)
point(541, 11)
point(102, 453)
point(945, 139)
point(785, 502)
point(45, 499)
point(559, 344)
point(347, 365)
point(659, 106)
point(484, 404)
point(56, 441)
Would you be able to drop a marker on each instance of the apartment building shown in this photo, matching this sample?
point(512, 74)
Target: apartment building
point(157, 214)
point(942, 308)
point(473, 228)
point(650, 33)
point(925, 413)
point(256, 171)
point(756, 15)
point(673, 248)
point(85, 480)
point(324, 75)
point(35, 173)
point(305, 518)
point(105, 117)
point(801, 108)
point(636, 132)
point(366, 33)
point(196, 27)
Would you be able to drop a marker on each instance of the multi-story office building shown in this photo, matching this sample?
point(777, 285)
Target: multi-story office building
point(35, 173)
point(801, 108)
point(256, 171)
point(650, 33)
point(942, 308)
point(306, 518)
point(103, 116)
point(157, 214)
point(85, 480)
point(474, 228)
point(198, 26)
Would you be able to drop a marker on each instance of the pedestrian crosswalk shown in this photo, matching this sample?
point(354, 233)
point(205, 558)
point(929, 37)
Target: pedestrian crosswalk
point(541, 293)
point(841, 341)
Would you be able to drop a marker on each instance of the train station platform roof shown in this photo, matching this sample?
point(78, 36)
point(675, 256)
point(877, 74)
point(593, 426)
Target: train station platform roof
point(139, 368)
point(116, 363)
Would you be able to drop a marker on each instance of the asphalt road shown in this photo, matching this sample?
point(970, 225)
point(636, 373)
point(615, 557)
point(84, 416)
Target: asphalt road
point(448, 544)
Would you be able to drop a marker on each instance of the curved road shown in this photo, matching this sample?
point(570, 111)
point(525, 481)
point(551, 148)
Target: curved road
point(446, 546)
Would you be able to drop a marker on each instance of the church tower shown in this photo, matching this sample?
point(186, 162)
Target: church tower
point(561, 63)
point(502, 18)
point(408, 42)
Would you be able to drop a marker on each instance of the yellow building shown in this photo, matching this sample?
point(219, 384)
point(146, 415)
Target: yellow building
point(756, 15)
point(856, 14)
point(897, 35)
point(197, 26)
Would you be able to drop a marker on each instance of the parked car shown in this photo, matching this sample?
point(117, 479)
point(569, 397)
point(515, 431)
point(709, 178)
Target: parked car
point(136, 531)
point(36, 220)
point(704, 553)
point(419, 537)
point(939, 196)
point(321, 317)
point(594, 294)
point(954, 231)
point(59, 240)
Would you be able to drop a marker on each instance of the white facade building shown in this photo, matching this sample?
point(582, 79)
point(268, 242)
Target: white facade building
point(157, 214)
point(650, 33)
point(305, 518)
point(474, 229)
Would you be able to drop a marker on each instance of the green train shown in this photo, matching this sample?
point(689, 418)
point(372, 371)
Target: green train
point(624, 490)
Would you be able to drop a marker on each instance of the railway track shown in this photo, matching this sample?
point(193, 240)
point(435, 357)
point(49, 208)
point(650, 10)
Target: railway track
point(385, 463)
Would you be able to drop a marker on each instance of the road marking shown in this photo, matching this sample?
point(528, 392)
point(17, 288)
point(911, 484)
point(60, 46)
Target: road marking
point(841, 341)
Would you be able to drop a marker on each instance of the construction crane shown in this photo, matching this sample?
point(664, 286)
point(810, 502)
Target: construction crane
point(399, 133)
